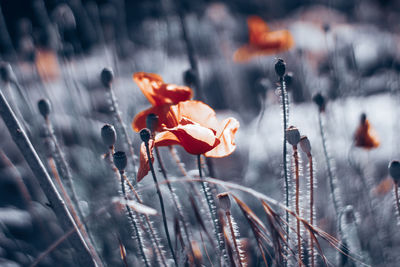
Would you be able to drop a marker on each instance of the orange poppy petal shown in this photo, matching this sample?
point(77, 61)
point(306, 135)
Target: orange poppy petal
point(194, 138)
point(226, 136)
point(164, 117)
point(256, 26)
point(144, 167)
point(158, 92)
point(365, 137)
point(147, 83)
point(280, 40)
point(196, 111)
point(166, 139)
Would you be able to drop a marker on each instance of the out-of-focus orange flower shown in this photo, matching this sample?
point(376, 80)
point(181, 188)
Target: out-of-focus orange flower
point(262, 41)
point(161, 95)
point(47, 65)
point(197, 130)
point(365, 137)
point(144, 166)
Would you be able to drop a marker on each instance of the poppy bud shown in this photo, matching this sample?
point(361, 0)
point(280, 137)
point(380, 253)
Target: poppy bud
point(288, 78)
point(292, 135)
point(120, 160)
point(224, 201)
point(280, 67)
point(305, 145)
point(107, 76)
point(189, 77)
point(326, 27)
point(320, 101)
point(394, 170)
point(44, 107)
point(108, 135)
point(152, 122)
point(5, 72)
point(145, 135)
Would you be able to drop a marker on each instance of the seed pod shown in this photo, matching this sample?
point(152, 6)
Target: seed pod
point(189, 77)
point(305, 145)
point(319, 99)
point(292, 135)
point(280, 67)
point(224, 201)
point(44, 106)
point(326, 27)
point(120, 160)
point(108, 135)
point(394, 170)
point(152, 122)
point(107, 77)
point(145, 135)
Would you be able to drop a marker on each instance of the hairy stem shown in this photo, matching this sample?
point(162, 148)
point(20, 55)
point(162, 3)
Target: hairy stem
point(161, 203)
point(311, 167)
point(297, 181)
point(228, 215)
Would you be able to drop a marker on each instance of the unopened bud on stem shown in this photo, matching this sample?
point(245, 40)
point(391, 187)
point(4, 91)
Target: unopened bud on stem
point(120, 160)
point(108, 135)
point(292, 135)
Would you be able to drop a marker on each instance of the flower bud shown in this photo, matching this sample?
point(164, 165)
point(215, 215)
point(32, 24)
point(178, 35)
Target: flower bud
point(305, 145)
point(189, 77)
point(108, 135)
point(292, 135)
point(224, 201)
point(394, 170)
point(145, 135)
point(107, 76)
point(120, 160)
point(44, 106)
point(319, 99)
point(326, 27)
point(5, 72)
point(152, 122)
point(280, 67)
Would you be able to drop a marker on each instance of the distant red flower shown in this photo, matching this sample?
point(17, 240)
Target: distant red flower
point(365, 136)
point(160, 95)
point(262, 41)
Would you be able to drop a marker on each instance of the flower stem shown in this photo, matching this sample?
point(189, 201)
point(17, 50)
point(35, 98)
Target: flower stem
point(228, 215)
point(211, 207)
point(161, 203)
point(311, 167)
point(133, 221)
point(396, 192)
point(296, 166)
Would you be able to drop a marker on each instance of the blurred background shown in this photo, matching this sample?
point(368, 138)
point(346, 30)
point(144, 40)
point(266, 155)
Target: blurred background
point(347, 50)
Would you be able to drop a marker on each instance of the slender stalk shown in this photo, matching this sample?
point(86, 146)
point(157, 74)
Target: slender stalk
point(311, 167)
point(133, 221)
point(396, 192)
point(122, 127)
point(297, 181)
point(60, 209)
point(211, 207)
point(284, 100)
point(228, 216)
point(161, 202)
point(335, 201)
point(175, 200)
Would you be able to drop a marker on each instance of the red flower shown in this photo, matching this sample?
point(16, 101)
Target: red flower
point(365, 136)
point(262, 41)
point(144, 166)
point(197, 130)
point(161, 95)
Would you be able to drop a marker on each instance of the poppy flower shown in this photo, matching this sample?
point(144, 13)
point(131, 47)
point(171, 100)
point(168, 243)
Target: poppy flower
point(160, 95)
point(262, 41)
point(197, 130)
point(365, 136)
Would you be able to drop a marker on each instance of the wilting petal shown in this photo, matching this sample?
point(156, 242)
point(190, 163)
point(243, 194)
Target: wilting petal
point(194, 138)
point(196, 111)
point(164, 117)
point(144, 167)
point(160, 93)
point(226, 135)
